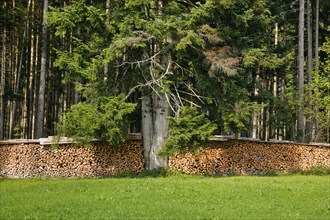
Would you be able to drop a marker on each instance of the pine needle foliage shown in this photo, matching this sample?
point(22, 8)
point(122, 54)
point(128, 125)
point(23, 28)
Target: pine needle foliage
point(103, 119)
point(237, 118)
point(189, 131)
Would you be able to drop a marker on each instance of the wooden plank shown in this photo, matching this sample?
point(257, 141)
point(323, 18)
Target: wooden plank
point(19, 141)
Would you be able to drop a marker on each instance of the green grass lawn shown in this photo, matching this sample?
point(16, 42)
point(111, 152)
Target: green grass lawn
point(172, 197)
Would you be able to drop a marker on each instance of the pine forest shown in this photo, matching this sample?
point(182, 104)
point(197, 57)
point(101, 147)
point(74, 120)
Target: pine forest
point(176, 70)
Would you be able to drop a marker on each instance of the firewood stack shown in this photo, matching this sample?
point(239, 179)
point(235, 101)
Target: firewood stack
point(251, 157)
point(34, 160)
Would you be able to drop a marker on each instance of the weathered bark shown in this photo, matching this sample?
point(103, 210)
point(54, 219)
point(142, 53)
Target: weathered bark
point(41, 97)
point(155, 110)
point(301, 124)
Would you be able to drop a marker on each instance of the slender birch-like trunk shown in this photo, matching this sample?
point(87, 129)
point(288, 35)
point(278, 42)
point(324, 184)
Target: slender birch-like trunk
point(316, 54)
point(309, 122)
point(3, 75)
point(41, 97)
point(301, 122)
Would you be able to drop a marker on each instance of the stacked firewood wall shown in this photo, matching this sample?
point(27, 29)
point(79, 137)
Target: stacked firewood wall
point(219, 157)
point(246, 157)
point(34, 160)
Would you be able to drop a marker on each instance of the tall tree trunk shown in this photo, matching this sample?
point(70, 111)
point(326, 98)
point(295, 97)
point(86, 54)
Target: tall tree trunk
point(317, 13)
point(301, 124)
point(107, 22)
point(30, 93)
point(3, 69)
point(276, 87)
point(270, 87)
point(284, 124)
point(76, 95)
point(155, 110)
point(41, 98)
point(256, 115)
point(309, 122)
point(60, 84)
point(18, 78)
point(35, 83)
point(27, 90)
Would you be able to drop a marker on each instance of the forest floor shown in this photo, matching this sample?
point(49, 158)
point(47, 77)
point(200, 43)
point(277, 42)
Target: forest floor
point(177, 196)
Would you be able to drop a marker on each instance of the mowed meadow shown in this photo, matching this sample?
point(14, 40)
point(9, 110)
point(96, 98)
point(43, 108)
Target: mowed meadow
point(174, 196)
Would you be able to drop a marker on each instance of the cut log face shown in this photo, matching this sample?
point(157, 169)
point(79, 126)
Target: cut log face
point(155, 129)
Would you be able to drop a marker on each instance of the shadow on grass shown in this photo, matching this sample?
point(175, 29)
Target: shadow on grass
point(159, 172)
point(166, 172)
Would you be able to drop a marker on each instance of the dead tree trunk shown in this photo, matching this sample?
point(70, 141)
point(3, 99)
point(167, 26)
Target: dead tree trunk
point(155, 110)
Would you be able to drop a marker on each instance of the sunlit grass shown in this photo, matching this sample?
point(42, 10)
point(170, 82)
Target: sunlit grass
point(172, 197)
